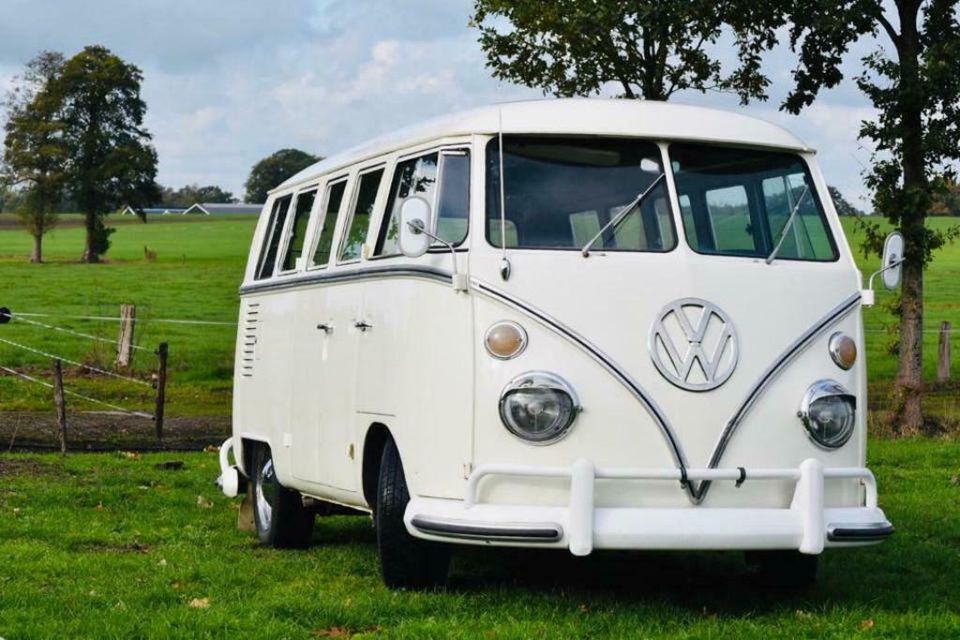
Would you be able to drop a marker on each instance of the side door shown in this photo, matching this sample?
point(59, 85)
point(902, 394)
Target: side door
point(336, 348)
point(415, 371)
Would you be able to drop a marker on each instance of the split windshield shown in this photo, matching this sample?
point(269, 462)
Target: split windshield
point(562, 192)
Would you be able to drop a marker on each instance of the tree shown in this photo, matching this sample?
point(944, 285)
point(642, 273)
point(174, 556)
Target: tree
point(192, 194)
point(112, 162)
point(274, 169)
point(841, 204)
point(912, 79)
point(649, 49)
point(34, 154)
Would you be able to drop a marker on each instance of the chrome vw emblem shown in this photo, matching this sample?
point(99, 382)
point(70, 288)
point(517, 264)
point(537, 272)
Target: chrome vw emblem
point(694, 344)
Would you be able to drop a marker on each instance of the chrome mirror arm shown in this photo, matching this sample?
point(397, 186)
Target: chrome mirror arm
point(895, 263)
point(417, 227)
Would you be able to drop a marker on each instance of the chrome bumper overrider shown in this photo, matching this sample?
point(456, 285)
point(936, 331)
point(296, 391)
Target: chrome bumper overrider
point(806, 525)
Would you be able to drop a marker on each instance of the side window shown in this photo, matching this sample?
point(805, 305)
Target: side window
point(271, 241)
point(321, 255)
point(453, 204)
point(298, 230)
point(729, 211)
point(414, 177)
point(352, 245)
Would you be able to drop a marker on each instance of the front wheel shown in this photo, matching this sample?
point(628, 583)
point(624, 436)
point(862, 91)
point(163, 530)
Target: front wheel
point(405, 562)
point(279, 515)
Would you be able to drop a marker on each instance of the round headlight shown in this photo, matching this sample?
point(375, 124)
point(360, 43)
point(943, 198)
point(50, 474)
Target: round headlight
point(505, 340)
point(538, 407)
point(843, 350)
point(829, 412)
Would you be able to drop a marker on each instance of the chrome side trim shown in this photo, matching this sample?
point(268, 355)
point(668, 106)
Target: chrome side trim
point(605, 361)
point(774, 370)
point(872, 532)
point(500, 531)
point(326, 276)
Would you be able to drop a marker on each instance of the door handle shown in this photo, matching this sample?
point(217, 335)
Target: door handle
point(326, 327)
point(363, 325)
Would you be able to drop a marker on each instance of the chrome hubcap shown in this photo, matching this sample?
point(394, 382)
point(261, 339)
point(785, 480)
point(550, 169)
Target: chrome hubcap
point(265, 494)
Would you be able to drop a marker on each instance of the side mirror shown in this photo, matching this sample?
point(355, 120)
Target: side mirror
point(892, 260)
point(414, 220)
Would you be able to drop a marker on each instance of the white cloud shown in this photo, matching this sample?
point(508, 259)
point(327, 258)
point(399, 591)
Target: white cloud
point(226, 84)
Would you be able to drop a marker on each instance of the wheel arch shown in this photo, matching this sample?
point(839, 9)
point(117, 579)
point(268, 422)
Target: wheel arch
point(373, 445)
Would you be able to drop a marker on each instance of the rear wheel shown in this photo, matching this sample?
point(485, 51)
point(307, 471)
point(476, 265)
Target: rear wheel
point(784, 569)
point(279, 515)
point(405, 562)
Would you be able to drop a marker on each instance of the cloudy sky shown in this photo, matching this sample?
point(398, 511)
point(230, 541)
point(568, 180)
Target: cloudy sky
point(227, 83)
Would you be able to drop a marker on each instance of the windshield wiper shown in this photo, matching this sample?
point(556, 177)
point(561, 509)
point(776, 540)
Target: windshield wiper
point(786, 227)
point(614, 221)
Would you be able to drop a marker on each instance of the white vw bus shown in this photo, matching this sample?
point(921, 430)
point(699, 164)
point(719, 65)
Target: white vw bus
point(574, 324)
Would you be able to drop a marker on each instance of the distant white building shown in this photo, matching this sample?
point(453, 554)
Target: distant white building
point(164, 211)
point(223, 208)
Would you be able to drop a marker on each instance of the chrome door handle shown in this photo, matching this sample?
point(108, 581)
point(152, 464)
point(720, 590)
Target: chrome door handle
point(363, 325)
point(326, 327)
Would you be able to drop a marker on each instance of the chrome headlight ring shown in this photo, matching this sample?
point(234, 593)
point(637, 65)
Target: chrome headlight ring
point(829, 414)
point(538, 407)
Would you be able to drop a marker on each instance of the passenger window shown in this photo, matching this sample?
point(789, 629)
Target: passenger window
point(321, 256)
point(360, 221)
point(453, 208)
point(271, 240)
point(298, 230)
point(415, 177)
point(729, 212)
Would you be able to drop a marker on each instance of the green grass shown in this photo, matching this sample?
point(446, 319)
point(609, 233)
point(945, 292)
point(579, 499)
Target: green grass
point(105, 546)
point(199, 267)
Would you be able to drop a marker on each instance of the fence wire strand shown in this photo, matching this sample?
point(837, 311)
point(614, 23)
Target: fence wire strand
point(216, 323)
point(29, 378)
point(16, 316)
point(75, 363)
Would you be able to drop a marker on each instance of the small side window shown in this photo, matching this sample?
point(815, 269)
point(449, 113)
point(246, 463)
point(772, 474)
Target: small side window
point(414, 177)
point(321, 255)
point(453, 204)
point(271, 241)
point(360, 220)
point(298, 230)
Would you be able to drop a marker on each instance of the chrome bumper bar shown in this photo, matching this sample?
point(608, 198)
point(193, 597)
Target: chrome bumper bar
point(806, 525)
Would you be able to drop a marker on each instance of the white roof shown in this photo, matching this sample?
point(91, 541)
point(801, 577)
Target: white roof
point(575, 116)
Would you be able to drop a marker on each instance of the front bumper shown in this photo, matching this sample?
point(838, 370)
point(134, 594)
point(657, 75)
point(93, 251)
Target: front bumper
point(806, 525)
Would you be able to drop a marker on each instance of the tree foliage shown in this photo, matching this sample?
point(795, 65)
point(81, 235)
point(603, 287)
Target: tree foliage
point(274, 169)
point(843, 206)
point(191, 194)
point(112, 162)
point(647, 49)
point(35, 154)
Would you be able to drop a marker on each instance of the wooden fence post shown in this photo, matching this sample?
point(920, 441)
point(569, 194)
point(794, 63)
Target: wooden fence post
point(128, 321)
point(161, 388)
point(943, 359)
point(60, 400)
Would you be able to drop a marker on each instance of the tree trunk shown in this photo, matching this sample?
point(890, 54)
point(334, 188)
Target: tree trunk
point(89, 250)
point(908, 412)
point(37, 254)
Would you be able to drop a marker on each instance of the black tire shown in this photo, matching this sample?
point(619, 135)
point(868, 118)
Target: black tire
point(405, 562)
point(278, 513)
point(783, 569)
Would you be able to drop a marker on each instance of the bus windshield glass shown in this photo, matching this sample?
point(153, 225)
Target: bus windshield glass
point(561, 192)
point(738, 202)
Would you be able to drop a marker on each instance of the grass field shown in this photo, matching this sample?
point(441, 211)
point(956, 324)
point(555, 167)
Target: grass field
point(109, 546)
point(199, 267)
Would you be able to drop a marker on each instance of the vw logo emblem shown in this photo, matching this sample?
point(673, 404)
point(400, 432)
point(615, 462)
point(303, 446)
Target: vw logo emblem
point(694, 344)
